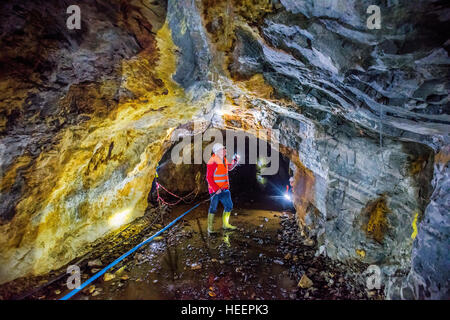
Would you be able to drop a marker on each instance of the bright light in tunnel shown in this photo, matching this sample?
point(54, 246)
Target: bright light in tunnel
point(287, 196)
point(119, 218)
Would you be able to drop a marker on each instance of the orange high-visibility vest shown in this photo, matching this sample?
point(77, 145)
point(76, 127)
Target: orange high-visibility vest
point(221, 172)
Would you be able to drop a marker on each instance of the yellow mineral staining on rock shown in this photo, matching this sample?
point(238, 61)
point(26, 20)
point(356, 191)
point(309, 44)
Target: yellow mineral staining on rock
point(8, 179)
point(13, 95)
point(377, 224)
point(417, 165)
point(443, 156)
point(305, 282)
point(218, 17)
point(92, 99)
point(253, 10)
point(256, 86)
point(303, 187)
point(100, 169)
point(221, 17)
point(414, 226)
point(361, 253)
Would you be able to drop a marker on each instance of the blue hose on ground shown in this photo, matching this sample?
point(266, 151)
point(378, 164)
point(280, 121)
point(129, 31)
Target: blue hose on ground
point(112, 264)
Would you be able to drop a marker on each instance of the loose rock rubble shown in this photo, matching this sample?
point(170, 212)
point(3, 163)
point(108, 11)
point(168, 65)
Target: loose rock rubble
point(255, 263)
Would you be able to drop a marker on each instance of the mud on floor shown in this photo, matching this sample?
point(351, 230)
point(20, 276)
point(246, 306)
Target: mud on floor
point(266, 258)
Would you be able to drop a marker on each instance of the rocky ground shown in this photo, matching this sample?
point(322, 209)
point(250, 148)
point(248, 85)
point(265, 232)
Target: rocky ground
point(266, 258)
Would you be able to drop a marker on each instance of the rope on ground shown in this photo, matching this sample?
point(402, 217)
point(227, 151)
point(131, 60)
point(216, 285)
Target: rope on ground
point(160, 199)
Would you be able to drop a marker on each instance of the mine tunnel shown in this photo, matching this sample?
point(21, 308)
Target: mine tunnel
point(248, 183)
point(110, 112)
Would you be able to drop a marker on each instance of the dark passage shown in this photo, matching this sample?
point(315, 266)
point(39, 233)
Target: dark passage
point(248, 185)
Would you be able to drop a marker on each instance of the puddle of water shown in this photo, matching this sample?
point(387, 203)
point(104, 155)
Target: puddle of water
point(263, 259)
point(189, 264)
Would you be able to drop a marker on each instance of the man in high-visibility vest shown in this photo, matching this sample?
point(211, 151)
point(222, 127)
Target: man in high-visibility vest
point(219, 183)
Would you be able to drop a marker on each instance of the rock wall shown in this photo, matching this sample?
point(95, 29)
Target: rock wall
point(429, 275)
point(354, 97)
point(85, 116)
point(348, 170)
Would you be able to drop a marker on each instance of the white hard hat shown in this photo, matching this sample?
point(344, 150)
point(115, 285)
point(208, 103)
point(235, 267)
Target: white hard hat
point(216, 147)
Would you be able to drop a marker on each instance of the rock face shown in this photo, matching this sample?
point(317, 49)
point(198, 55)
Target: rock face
point(86, 115)
point(322, 56)
point(429, 275)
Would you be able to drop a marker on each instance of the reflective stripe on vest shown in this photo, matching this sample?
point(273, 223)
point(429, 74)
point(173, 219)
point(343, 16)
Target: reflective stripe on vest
point(221, 172)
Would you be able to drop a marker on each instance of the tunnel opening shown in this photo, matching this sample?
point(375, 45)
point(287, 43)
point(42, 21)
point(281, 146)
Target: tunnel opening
point(260, 259)
point(250, 185)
